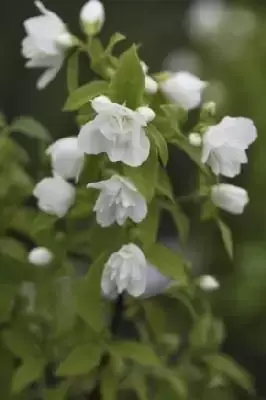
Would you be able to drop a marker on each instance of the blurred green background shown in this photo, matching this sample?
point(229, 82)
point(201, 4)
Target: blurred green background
point(224, 43)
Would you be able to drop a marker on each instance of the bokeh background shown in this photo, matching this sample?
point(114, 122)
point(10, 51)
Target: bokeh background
point(222, 42)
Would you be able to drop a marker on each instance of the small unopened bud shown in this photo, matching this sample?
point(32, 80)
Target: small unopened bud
point(147, 113)
point(195, 139)
point(209, 109)
point(40, 256)
point(151, 86)
point(208, 283)
point(92, 16)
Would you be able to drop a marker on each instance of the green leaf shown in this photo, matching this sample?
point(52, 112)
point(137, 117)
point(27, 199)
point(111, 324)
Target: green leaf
point(207, 333)
point(115, 38)
point(88, 298)
point(169, 263)
point(226, 237)
point(109, 383)
point(59, 393)
point(21, 343)
point(136, 352)
point(145, 176)
point(180, 219)
point(84, 94)
point(72, 72)
point(30, 371)
point(105, 239)
point(159, 142)
point(7, 296)
point(81, 360)
point(30, 127)
point(64, 307)
point(226, 366)
point(127, 84)
point(147, 230)
point(163, 185)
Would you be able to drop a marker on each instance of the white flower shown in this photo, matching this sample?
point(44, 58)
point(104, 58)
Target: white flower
point(45, 44)
point(195, 139)
point(117, 131)
point(184, 89)
point(230, 198)
point(40, 256)
point(55, 196)
point(125, 270)
point(224, 145)
point(67, 158)
point(156, 282)
point(208, 283)
point(151, 86)
point(92, 16)
point(118, 200)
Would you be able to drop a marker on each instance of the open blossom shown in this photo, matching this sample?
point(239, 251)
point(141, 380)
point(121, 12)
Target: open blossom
point(184, 89)
point(125, 270)
point(45, 44)
point(92, 16)
point(67, 158)
point(230, 198)
point(40, 256)
point(117, 131)
point(151, 86)
point(118, 200)
point(55, 196)
point(225, 145)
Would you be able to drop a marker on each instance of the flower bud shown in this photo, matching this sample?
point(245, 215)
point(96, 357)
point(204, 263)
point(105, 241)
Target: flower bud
point(208, 283)
point(67, 158)
point(92, 16)
point(147, 113)
point(208, 110)
point(195, 139)
point(151, 86)
point(55, 196)
point(40, 256)
point(230, 198)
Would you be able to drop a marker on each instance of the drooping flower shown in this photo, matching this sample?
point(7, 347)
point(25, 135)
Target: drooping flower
point(117, 131)
point(208, 283)
point(118, 201)
point(151, 86)
point(67, 158)
point(184, 88)
point(55, 196)
point(230, 198)
point(157, 283)
point(92, 16)
point(225, 145)
point(40, 256)
point(125, 270)
point(45, 44)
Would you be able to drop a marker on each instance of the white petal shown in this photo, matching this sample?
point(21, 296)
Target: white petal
point(151, 86)
point(229, 197)
point(147, 113)
point(40, 256)
point(91, 141)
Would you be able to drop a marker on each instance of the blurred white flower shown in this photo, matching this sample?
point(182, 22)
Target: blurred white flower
point(117, 131)
point(151, 86)
point(184, 89)
point(55, 196)
point(118, 200)
point(40, 256)
point(45, 44)
point(67, 158)
point(230, 198)
point(208, 283)
point(205, 18)
point(195, 139)
point(125, 270)
point(156, 283)
point(224, 145)
point(92, 16)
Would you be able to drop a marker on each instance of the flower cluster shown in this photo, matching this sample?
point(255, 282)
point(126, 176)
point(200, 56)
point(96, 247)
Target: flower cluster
point(121, 133)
